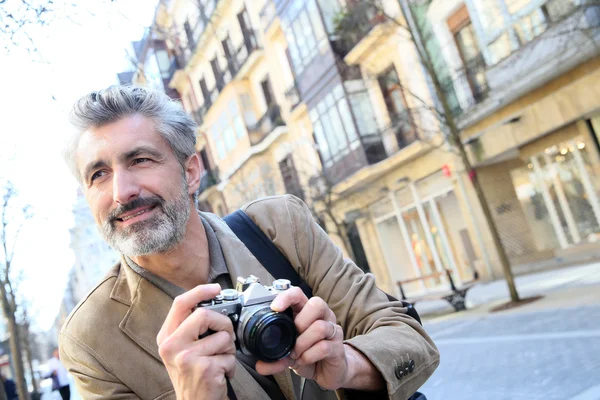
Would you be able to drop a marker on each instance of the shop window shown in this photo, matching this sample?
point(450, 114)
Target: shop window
point(559, 191)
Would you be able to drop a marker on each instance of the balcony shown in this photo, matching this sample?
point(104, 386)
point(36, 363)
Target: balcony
point(355, 24)
point(400, 133)
point(265, 125)
point(468, 87)
point(210, 97)
point(222, 78)
point(209, 178)
point(238, 63)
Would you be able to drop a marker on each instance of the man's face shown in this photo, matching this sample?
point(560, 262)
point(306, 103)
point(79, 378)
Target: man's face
point(135, 186)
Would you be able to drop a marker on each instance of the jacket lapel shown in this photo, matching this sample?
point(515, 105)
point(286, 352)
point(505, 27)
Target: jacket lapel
point(148, 308)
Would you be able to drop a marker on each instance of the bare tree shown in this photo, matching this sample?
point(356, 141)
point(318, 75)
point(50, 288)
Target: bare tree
point(12, 217)
point(27, 340)
point(18, 16)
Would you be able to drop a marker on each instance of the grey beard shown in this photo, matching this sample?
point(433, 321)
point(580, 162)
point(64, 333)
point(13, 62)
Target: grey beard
point(158, 234)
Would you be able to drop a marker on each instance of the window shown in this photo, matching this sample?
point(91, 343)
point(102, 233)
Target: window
point(392, 93)
point(228, 129)
point(509, 24)
point(228, 48)
point(189, 34)
point(248, 109)
point(333, 127)
point(465, 37)
point(330, 10)
point(303, 28)
point(491, 16)
point(290, 177)
point(531, 26)
point(267, 92)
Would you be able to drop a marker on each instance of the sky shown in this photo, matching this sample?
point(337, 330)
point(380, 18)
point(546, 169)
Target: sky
point(78, 54)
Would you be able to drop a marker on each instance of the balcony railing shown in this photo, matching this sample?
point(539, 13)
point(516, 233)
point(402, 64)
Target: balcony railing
point(222, 78)
point(354, 24)
point(265, 125)
point(209, 178)
point(178, 62)
point(242, 53)
point(469, 80)
point(193, 34)
point(400, 133)
point(200, 113)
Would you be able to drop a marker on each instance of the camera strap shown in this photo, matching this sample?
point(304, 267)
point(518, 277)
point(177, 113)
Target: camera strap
point(264, 250)
point(273, 260)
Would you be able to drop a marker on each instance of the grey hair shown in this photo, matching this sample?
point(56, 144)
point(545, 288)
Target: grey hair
point(109, 105)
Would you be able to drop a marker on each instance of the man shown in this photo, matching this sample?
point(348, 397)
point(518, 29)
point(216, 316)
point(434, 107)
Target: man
point(135, 335)
point(58, 373)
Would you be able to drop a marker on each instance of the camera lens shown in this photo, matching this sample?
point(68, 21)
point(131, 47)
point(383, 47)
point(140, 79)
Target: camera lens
point(270, 335)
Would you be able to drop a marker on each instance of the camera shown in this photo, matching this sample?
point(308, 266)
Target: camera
point(260, 332)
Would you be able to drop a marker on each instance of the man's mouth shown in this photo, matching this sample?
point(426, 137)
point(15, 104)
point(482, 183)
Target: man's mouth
point(129, 216)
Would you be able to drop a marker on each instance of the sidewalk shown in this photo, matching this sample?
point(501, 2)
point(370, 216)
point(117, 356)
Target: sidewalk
point(570, 286)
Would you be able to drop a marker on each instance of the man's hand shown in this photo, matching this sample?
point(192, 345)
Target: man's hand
point(319, 353)
point(197, 367)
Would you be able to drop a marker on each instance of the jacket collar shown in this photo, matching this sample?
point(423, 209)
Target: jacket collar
point(149, 306)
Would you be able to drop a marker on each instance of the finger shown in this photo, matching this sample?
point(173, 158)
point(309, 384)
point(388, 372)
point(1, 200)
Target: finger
point(225, 363)
point(315, 309)
point(200, 322)
point(209, 368)
point(271, 368)
point(221, 342)
point(293, 297)
point(187, 333)
point(217, 343)
point(316, 332)
point(323, 350)
point(182, 307)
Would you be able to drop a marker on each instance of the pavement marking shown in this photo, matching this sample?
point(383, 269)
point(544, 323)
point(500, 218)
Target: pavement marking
point(592, 393)
point(520, 338)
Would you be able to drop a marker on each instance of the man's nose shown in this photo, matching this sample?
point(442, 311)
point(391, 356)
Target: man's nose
point(125, 187)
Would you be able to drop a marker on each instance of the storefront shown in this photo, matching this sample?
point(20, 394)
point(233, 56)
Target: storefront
point(422, 230)
point(558, 188)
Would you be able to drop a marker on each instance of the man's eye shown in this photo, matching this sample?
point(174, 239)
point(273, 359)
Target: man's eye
point(96, 175)
point(140, 160)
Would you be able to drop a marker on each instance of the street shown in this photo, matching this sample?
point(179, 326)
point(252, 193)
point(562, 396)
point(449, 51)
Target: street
point(542, 354)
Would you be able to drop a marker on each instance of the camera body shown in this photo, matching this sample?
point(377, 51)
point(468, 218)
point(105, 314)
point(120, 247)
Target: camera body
point(260, 332)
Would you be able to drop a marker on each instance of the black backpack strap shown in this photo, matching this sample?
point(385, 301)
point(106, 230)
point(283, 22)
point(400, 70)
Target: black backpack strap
point(273, 259)
point(264, 250)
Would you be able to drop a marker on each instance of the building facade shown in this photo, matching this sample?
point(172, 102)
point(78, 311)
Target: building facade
point(329, 100)
point(528, 109)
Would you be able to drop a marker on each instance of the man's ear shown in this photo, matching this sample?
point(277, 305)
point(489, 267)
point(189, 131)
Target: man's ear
point(193, 171)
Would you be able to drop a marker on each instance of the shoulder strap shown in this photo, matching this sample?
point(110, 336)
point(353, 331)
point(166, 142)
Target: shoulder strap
point(273, 259)
point(264, 250)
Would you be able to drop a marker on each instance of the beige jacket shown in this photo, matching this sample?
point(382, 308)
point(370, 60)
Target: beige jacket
point(109, 344)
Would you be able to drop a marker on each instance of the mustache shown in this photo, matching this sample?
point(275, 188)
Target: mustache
point(133, 204)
